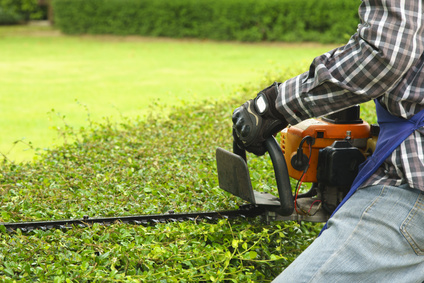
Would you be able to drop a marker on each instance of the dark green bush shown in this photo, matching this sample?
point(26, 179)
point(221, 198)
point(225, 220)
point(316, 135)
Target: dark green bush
point(15, 11)
point(8, 17)
point(243, 20)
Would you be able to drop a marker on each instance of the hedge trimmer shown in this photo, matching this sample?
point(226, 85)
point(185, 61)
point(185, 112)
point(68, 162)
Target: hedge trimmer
point(325, 152)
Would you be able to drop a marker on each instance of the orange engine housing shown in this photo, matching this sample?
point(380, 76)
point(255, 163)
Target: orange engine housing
point(324, 133)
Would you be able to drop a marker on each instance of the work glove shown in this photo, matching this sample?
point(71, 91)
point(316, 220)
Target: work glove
point(257, 120)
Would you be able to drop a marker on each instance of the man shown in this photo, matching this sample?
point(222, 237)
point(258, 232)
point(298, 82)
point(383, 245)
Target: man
point(378, 233)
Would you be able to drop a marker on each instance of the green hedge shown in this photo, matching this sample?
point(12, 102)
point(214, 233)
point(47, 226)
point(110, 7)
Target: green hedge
point(143, 166)
point(242, 20)
point(17, 11)
point(8, 17)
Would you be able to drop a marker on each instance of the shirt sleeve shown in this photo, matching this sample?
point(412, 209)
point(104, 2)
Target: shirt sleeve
point(388, 42)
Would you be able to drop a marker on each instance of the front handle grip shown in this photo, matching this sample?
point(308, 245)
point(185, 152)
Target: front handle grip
point(281, 174)
point(239, 151)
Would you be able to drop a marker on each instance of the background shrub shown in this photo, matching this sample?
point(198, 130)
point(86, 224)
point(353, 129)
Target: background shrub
point(242, 20)
point(8, 17)
point(15, 11)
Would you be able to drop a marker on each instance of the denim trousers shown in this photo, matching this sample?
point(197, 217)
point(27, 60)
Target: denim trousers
point(376, 236)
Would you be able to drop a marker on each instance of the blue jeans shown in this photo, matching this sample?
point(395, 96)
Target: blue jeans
point(376, 236)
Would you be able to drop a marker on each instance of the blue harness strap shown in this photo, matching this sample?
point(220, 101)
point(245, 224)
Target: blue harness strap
point(393, 131)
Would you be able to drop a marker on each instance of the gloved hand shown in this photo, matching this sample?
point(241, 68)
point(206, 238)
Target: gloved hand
point(256, 120)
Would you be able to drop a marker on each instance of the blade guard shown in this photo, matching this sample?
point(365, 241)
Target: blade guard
point(234, 177)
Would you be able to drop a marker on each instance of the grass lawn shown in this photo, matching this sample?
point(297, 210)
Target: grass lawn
point(45, 76)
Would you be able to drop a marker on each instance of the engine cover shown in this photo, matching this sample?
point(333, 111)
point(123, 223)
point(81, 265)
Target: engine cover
point(323, 133)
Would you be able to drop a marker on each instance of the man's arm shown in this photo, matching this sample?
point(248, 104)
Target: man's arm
point(388, 42)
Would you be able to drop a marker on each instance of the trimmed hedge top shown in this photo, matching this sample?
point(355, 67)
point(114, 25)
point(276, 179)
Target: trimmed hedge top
point(242, 20)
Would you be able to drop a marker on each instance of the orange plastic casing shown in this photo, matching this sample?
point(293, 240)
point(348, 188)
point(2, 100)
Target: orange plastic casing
point(324, 133)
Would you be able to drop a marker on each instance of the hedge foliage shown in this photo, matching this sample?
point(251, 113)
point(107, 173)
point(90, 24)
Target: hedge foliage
point(242, 20)
point(142, 166)
point(16, 11)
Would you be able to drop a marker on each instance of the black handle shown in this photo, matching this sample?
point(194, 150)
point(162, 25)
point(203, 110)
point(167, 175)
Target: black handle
point(280, 172)
point(282, 177)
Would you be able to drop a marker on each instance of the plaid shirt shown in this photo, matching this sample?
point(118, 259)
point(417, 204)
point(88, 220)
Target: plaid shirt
point(384, 59)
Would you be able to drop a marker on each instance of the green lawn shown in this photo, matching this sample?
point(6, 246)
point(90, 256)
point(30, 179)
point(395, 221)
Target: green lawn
point(45, 75)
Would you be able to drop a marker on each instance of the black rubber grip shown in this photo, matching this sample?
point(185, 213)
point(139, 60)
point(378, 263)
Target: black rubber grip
point(281, 174)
